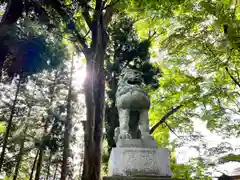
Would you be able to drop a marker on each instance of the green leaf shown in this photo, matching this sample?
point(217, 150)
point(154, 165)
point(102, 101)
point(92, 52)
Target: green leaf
point(2, 127)
point(67, 2)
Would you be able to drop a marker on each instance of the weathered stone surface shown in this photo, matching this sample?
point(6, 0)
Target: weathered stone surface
point(133, 105)
point(137, 161)
point(137, 153)
point(143, 143)
point(137, 178)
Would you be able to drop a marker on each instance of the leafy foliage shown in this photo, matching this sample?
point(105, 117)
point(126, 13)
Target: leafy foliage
point(28, 50)
point(194, 43)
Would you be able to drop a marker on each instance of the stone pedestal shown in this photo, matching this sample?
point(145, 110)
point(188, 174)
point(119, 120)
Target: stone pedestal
point(139, 161)
point(137, 178)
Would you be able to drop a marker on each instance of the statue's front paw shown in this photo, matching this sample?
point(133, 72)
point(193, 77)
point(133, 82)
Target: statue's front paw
point(124, 135)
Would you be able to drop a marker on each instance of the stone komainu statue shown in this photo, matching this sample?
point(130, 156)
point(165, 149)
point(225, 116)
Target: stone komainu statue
point(133, 105)
point(136, 152)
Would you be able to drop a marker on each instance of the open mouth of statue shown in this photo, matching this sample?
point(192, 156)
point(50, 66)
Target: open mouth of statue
point(134, 82)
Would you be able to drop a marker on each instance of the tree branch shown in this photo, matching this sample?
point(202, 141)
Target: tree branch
point(81, 39)
point(171, 129)
point(226, 68)
point(164, 118)
point(85, 13)
point(233, 78)
point(87, 18)
point(109, 13)
point(60, 10)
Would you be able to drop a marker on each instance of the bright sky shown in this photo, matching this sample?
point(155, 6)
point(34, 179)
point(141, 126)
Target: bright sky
point(212, 140)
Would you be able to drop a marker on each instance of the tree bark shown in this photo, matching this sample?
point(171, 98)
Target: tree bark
point(93, 131)
point(33, 166)
point(19, 158)
point(99, 116)
point(68, 127)
point(41, 153)
point(94, 95)
point(7, 133)
point(89, 143)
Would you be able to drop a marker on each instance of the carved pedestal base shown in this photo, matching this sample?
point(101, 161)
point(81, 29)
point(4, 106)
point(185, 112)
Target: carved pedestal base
point(139, 161)
point(137, 178)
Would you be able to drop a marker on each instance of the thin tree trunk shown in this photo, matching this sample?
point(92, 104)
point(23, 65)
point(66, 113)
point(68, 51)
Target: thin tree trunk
point(41, 153)
point(81, 169)
point(85, 162)
point(33, 166)
point(5, 141)
point(68, 127)
point(55, 173)
point(49, 165)
point(19, 158)
point(39, 163)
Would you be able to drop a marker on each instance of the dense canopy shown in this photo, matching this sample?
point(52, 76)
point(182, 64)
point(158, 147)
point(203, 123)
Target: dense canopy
point(188, 51)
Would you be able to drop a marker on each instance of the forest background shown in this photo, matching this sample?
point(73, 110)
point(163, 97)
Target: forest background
point(55, 126)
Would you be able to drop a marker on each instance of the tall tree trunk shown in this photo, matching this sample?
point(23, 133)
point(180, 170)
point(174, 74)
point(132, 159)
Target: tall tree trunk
point(94, 92)
point(33, 166)
point(41, 153)
point(94, 95)
point(49, 165)
point(68, 127)
point(99, 116)
point(7, 133)
point(19, 158)
point(39, 163)
point(89, 129)
point(55, 172)
point(81, 169)
point(85, 156)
